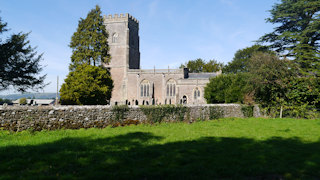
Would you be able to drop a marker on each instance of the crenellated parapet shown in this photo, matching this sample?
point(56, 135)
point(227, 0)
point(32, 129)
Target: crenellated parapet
point(120, 17)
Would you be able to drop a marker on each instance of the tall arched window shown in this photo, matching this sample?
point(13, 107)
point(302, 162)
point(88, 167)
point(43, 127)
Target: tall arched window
point(196, 93)
point(171, 88)
point(145, 88)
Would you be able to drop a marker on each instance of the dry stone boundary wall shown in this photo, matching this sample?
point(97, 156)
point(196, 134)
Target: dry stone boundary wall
point(18, 118)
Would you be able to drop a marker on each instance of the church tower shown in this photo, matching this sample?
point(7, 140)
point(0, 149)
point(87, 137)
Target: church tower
point(124, 50)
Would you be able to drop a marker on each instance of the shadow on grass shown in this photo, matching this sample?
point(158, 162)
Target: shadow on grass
point(133, 156)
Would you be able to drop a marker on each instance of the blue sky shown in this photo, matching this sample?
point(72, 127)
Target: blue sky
point(171, 31)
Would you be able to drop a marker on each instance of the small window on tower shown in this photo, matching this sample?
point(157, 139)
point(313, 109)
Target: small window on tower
point(114, 37)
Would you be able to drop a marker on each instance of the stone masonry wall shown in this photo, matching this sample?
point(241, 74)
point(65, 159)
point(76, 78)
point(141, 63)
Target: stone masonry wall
point(17, 118)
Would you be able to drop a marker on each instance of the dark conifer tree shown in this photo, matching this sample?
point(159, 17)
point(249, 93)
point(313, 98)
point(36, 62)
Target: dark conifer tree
point(298, 32)
point(19, 63)
point(89, 43)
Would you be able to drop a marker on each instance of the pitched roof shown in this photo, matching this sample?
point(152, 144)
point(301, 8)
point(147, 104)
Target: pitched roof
point(201, 75)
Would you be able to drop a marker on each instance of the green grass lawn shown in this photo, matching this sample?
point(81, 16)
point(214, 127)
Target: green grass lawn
point(220, 149)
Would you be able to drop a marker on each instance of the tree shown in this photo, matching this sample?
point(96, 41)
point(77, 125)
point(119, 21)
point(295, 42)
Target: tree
point(227, 88)
point(19, 63)
point(7, 101)
point(89, 43)
point(270, 75)
point(241, 59)
point(87, 85)
point(88, 82)
point(200, 65)
point(212, 66)
point(298, 33)
point(302, 97)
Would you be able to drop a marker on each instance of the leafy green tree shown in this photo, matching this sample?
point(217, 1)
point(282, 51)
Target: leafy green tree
point(241, 59)
point(227, 88)
point(298, 32)
point(269, 76)
point(87, 85)
point(302, 97)
point(212, 66)
point(19, 63)
point(200, 65)
point(89, 43)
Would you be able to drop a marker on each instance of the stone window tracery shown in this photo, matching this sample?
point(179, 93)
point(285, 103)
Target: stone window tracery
point(171, 88)
point(196, 93)
point(145, 88)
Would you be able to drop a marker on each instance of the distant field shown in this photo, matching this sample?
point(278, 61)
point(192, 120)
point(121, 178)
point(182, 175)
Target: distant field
point(230, 148)
point(30, 95)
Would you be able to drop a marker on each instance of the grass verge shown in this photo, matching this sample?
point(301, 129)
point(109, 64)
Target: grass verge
point(232, 148)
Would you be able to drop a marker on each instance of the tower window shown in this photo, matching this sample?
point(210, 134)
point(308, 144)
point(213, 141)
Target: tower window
point(114, 37)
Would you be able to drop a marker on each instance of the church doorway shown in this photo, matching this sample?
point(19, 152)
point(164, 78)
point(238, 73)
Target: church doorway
point(184, 99)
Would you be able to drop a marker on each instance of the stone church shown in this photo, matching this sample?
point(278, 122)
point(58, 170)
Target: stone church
point(136, 86)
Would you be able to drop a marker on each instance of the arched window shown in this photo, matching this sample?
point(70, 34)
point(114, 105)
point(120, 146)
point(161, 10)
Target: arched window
point(196, 93)
point(171, 88)
point(145, 88)
point(114, 37)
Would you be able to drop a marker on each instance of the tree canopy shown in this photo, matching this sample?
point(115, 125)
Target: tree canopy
point(87, 85)
point(200, 65)
point(241, 59)
point(227, 88)
point(89, 43)
point(269, 77)
point(298, 32)
point(19, 62)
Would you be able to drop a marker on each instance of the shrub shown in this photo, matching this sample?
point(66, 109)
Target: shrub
point(227, 88)
point(23, 101)
point(119, 113)
point(247, 110)
point(87, 85)
point(156, 114)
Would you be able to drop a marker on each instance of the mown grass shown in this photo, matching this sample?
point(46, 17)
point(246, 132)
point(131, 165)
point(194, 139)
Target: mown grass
point(221, 149)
